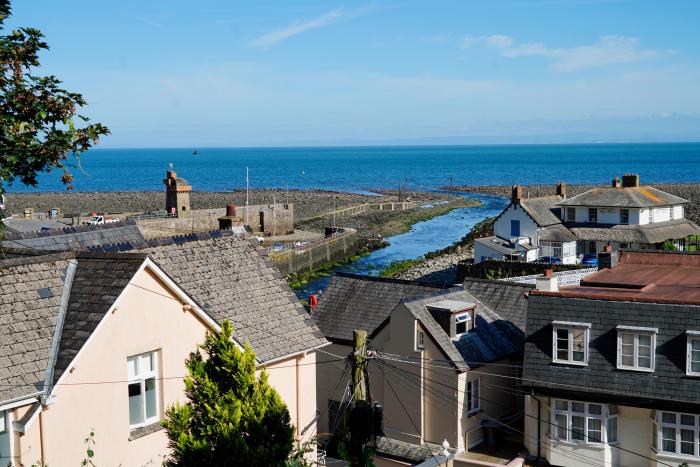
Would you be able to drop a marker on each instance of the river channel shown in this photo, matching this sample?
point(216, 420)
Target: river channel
point(424, 237)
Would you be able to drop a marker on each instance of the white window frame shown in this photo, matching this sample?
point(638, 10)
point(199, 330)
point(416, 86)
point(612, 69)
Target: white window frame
point(464, 317)
point(419, 337)
point(3, 421)
point(636, 332)
point(570, 326)
point(606, 415)
point(473, 396)
point(141, 377)
point(659, 424)
point(651, 215)
point(691, 336)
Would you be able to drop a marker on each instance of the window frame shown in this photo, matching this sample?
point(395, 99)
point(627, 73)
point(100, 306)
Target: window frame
point(3, 421)
point(604, 417)
point(141, 378)
point(593, 215)
point(515, 223)
point(473, 396)
point(419, 338)
point(636, 332)
point(569, 217)
point(658, 425)
point(691, 336)
point(624, 216)
point(570, 326)
point(466, 319)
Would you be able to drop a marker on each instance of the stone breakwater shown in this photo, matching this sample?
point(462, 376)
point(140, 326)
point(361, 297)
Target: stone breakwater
point(689, 191)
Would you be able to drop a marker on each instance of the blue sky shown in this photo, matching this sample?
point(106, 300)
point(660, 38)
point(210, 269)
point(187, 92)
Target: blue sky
point(170, 73)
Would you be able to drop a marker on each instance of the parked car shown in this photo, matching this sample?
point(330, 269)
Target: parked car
point(549, 259)
point(589, 260)
point(99, 220)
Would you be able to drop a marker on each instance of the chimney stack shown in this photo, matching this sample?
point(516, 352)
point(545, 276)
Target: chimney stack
point(547, 282)
point(517, 194)
point(630, 180)
point(561, 189)
point(231, 210)
point(608, 259)
point(616, 182)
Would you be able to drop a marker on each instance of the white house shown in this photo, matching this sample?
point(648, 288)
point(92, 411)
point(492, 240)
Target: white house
point(528, 229)
point(627, 215)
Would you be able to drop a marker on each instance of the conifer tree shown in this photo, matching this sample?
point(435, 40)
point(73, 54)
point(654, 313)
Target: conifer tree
point(233, 416)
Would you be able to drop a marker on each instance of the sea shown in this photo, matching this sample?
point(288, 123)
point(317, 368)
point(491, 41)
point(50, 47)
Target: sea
point(363, 169)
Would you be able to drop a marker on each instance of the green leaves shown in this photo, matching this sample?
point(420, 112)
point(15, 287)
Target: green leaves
point(233, 416)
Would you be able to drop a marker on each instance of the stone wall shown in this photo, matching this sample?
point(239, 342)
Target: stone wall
point(201, 220)
point(307, 259)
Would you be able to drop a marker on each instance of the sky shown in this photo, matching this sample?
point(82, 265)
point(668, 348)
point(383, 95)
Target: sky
point(173, 73)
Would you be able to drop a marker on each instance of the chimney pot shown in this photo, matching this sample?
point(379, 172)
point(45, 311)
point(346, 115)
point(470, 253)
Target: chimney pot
point(549, 272)
point(561, 189)
point(607, 248)
point(231, 210)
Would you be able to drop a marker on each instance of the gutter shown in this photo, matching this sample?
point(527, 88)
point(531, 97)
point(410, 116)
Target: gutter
point(303, 353)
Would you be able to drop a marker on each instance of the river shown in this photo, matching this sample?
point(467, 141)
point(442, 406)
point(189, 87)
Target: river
point(424, 237)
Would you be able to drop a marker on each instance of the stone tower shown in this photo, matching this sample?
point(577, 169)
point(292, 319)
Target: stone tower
point(177, 194)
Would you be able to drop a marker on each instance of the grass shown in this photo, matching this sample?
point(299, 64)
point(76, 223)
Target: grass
point(397, 268)
point(299, 280)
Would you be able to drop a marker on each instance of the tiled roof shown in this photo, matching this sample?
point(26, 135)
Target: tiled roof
point(504, 246)
point(633, 197)
point(99, 279)
point(556, 233)
point(37, 294)
point(507, 298)
point(75, 238)
point(645, 233)
point(30, 296)
point(230, 279)
point(544, 210)
point(668, 382)
point(359, 302)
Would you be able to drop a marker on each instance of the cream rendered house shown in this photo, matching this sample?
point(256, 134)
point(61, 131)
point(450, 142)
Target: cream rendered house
point(97, 342)
point(438, 353)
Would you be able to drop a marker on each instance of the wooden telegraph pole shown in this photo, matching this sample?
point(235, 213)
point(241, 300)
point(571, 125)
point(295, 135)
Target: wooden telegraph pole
point(359, 361)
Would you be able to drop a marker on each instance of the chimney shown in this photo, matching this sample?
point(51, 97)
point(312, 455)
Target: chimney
point(231, 210)
point(517, 194)
point(608, 259)
point(561, 189)
point(547, 282)
point(616, 182)
point(630, 180)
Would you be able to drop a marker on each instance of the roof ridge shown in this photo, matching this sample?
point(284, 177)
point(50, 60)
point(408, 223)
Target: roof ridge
point(36, 259)
point(67, 230)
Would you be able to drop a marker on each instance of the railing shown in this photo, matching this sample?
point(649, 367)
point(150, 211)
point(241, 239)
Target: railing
point(308, 245)
point(564, 278)
point(154, 215)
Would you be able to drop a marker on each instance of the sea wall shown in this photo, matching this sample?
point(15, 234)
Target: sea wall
point(330, 249)
point(200, 220)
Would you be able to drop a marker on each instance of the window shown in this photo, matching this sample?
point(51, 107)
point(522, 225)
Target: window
point(419, 337)
point(568, 249)
point(143, 389)
point(551, 249)
point(3, 421)
point(473, 400)
point(584, 422)
point(624, 216)
point(692, 366)
point(676, 433)
point(515, 228)
point(651, 216)
point(570, 342)
point(571, 214)
point(593, 215)
point(636, 348)
point(463, 323)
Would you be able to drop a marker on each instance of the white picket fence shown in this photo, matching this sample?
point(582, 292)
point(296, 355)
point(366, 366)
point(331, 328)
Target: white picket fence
point(564, 278)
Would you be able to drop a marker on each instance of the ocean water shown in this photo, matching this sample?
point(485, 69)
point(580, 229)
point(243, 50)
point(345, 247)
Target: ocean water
point(362, 169)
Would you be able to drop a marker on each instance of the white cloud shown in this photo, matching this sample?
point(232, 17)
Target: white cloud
point(297, 27)
point(470, 41)
point(608, 50)
point(499, 41)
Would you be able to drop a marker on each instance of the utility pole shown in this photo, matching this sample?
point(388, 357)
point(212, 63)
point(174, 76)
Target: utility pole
point(247, 194)
point(359, 361)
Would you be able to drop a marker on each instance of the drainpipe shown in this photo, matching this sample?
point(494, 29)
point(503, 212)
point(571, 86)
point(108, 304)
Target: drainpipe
point(539, 425)
point(298, 424)
point(41, 434)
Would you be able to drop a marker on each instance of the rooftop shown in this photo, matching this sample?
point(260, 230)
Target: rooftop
point(633, 197)
point(659, 277)
point(544, 210)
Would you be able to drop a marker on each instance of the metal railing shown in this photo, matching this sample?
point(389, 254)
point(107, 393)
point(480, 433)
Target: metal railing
point(275, 249)
point(564, 278)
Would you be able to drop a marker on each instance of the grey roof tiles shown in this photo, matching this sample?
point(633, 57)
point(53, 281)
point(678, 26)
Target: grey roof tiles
point(508, 298)
point(74, 238)
point(544, 210)
point(632, 197)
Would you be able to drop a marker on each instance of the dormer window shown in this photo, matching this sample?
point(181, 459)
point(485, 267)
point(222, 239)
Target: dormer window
point(692, 365)
point(463, 323)
point(636, 348)
point(420, 338)
point(570, 342)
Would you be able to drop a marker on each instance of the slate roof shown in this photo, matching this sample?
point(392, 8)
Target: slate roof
point(556, 233)
point(406, 451)
point(504, 246)
point(667, 385)
point(359, 302)
point(633, 197)
point(544, 210)
point(645, 233)
point(78, 238)
point(38, 294)
point(509, 298)
point(229, 278)
point(27, 321)
point(492, 338)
